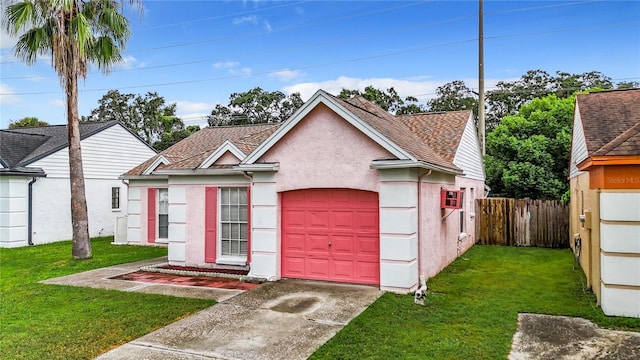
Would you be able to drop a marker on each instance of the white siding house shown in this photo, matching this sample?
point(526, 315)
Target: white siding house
point(37, 158)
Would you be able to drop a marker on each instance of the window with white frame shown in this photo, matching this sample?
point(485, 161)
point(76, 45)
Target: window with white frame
point(163, 213)
point(115, 198)
point(233, 222)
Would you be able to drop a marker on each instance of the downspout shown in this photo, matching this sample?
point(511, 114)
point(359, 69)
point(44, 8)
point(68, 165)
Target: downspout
point(30, 212)
point(421, 292)
point(420, 268)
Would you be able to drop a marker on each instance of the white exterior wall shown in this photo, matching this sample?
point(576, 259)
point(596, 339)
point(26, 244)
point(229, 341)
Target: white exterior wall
point(106, 156)
point(620, 252)
point(578, 145)
point(468, 157)
point(52, 208)
point(13, 210)
point(398, 198)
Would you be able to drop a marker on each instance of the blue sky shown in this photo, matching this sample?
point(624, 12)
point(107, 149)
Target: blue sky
point(197, 53)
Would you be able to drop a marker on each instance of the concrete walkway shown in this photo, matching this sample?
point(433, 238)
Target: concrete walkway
point(287, 319)
point(103, 279)
point(546, 337)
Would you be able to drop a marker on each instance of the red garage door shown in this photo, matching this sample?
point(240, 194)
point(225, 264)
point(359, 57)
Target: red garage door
point(331, 234)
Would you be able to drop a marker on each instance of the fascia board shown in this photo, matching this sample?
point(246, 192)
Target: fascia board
point(231, 171)
point(142, 177)
point(159, 160)
point(258, 167)
point(322, 97)
point(405, 164)
point(221, 150)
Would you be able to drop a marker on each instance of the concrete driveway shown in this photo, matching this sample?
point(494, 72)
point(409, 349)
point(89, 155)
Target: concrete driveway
point(288, 319)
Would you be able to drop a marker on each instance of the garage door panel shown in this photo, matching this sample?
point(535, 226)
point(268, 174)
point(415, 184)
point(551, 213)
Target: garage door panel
point(368, 245)
point(348, 219)
point(316, 219)
point(343, 244)
point(342, 220)
point(294, 266)
point(318, 243)
point(318, 268)
point(294, 219)
point(296, 242)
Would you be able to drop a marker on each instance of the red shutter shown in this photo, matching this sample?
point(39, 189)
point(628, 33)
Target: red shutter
point(210, 223)
point(151, 215)
point(248, 224)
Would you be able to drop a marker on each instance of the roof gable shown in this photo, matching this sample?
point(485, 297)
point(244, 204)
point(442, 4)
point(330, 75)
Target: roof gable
point(321, 97)
point(55, 138)
point(608, 121)
point(380, 126)
point(194, 151)
point(227, 146)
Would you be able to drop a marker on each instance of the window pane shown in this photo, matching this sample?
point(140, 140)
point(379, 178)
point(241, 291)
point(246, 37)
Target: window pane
point(163, 201)
point(235, 248)
point(225, 196)
point(234, 196)
point(243, 212)
point(243, 231)
point(243, 248)
point(225, 213)
point(243, 196)
point(234, 213)
point(226, 248)
point(226, 231)
point(163, 226)
point(235, 231)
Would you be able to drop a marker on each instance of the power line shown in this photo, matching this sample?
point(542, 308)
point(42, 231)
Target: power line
point(347, 17)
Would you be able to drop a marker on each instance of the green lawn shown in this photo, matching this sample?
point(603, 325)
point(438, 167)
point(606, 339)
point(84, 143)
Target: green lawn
point(472, 308)
point(40, 321)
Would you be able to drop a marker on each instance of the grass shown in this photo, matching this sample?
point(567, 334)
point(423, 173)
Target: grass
point(472, 308)
point(39, 321)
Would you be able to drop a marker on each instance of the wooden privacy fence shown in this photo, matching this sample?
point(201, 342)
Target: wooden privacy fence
point(522, 222)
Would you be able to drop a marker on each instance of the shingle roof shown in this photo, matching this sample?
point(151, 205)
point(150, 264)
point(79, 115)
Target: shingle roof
point(398, 129)
point(611, 121)
point(23, 146)
point(192, 151)
point(432, 138)
point(442, 131)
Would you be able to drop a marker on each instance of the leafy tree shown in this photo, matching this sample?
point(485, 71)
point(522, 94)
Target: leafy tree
point(627, 85)
point(170, 138)
point(389, 100)
point(149, 116)
point(528, 153)
point(255, 106)
point(74, 33)
point(27, 122)
point(454, 96)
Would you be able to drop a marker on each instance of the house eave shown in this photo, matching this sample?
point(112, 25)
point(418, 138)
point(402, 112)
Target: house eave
point(23, 171)
point(143, 177)
point(258, 167)
point(208, 171)
point(608, 160)
point(407, 164)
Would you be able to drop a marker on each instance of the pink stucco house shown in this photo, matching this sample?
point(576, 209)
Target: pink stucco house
point(342, 191)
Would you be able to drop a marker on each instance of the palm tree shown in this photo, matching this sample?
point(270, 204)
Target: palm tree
point(74, 33)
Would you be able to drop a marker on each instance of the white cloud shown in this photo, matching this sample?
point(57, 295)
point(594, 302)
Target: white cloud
point(233, 68)
point(183, 106)
point(299, 10)
point(57, 102)
point(226, 64)
point(7, 95)
point(286, 74)
point(246, 19)
point(129, 62)
point(420, 87)
point(267, 26)
point(7, 41)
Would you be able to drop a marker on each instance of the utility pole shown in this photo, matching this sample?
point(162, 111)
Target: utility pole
point(481, 125)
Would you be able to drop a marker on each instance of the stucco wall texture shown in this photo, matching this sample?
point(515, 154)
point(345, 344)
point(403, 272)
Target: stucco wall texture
point(324, 151)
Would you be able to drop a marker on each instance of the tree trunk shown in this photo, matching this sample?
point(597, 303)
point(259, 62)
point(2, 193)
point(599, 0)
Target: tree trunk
point(79, 216)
